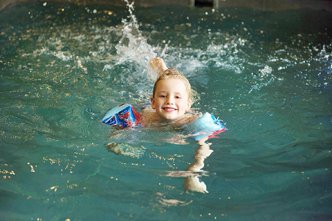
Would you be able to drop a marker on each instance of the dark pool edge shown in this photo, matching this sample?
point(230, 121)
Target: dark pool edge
point(265, 5)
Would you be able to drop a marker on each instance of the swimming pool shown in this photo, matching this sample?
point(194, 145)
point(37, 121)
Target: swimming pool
point(268, 75)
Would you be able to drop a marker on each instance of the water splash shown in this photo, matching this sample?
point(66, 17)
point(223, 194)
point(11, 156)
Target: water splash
point(263, 78)
point(133, 45)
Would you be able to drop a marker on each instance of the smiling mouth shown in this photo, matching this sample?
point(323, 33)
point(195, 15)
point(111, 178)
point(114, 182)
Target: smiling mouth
point(169, 109)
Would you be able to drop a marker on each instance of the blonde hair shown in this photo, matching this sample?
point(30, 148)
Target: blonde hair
point(172, 73)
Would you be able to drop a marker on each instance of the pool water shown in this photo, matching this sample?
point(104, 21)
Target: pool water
point(268, 75)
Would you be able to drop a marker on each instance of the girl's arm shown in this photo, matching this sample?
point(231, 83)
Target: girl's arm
point(193, 182)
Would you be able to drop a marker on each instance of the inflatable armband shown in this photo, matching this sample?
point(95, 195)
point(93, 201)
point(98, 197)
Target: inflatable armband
point(206, 125)
point(122, 116)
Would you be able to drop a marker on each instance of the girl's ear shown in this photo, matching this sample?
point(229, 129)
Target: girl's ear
point(153, 103)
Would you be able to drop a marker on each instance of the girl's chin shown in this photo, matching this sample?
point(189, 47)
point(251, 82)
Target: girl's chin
point(171, 117)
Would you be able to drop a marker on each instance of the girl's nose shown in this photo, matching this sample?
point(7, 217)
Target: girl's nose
point(169, 100)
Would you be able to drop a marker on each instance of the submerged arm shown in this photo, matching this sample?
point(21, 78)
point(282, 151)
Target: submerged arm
point(192, 182)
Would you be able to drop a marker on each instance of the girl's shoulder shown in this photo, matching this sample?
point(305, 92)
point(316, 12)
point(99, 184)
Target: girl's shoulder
point(149, 117)
point(186, 119)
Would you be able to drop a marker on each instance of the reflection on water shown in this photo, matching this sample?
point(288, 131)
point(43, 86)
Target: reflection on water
point(62, 67)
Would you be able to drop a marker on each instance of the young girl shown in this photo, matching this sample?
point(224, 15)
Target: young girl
point(171, 102)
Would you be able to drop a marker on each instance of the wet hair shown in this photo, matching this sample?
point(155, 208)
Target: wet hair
point(172, 73)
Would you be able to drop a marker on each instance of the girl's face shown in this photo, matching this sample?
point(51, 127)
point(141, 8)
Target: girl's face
point(170, 99)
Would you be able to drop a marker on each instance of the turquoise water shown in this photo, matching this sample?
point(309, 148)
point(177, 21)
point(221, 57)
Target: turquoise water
point(268, 75)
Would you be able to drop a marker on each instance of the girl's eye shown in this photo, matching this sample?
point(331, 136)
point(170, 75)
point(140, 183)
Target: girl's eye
point(162, 96)
point(177, 97)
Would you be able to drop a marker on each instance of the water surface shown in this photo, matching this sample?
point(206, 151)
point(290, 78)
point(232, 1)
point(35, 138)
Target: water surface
point(268, 75)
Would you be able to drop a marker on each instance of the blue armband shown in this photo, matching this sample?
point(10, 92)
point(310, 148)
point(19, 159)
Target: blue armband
point(206, 126)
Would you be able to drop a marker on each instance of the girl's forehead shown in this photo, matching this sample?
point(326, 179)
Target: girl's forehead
point(172, 83)
point(173, 80)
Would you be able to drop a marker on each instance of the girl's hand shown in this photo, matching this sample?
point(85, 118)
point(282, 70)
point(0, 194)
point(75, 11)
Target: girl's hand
point(158, 65)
